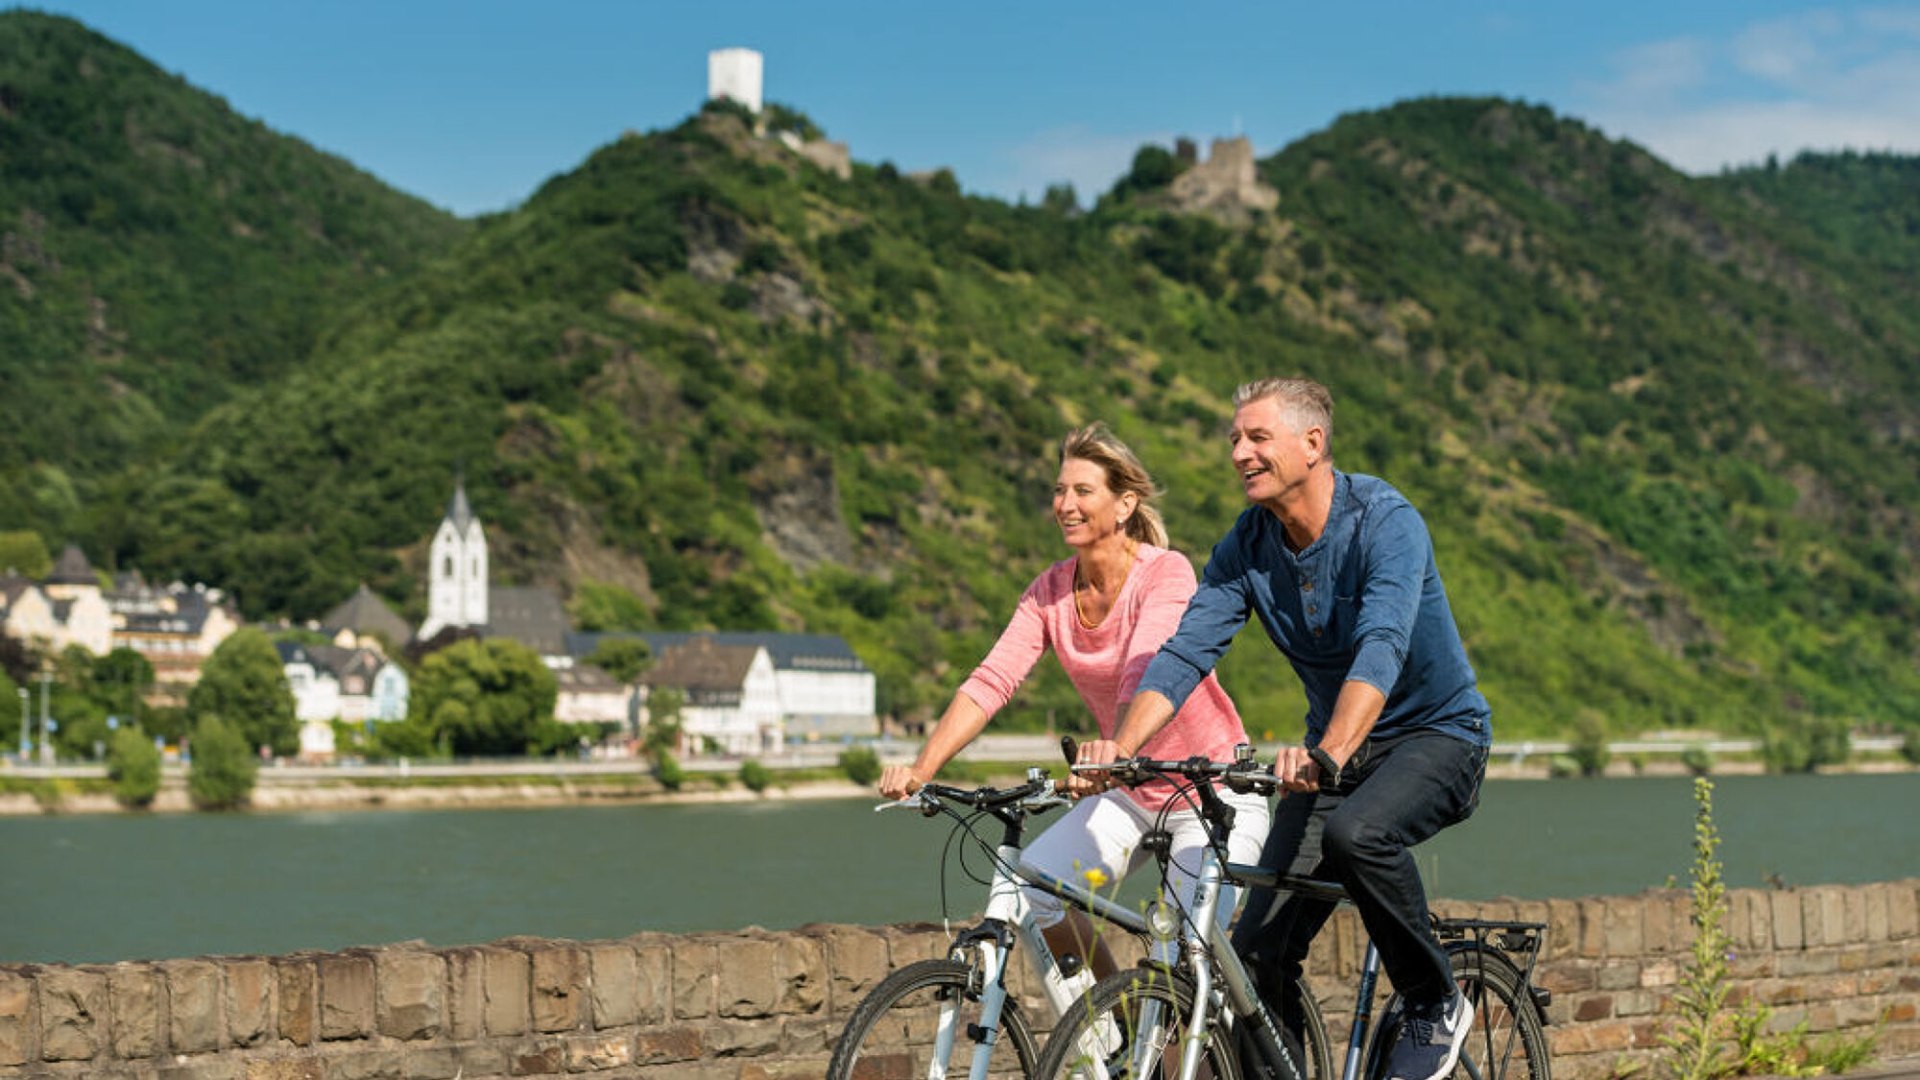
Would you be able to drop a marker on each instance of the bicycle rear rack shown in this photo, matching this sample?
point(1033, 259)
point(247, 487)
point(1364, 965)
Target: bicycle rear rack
point(1510, 937)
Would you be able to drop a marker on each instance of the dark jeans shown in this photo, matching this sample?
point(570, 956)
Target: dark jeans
point(1393, 794)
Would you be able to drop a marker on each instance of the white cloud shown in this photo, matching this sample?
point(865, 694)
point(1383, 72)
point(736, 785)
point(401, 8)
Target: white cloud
point(1658, 69)
point(1831, 79)
point(1790, 50)
point(1091, 161)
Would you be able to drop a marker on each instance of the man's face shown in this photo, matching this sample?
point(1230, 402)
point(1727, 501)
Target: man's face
point(1269, 456)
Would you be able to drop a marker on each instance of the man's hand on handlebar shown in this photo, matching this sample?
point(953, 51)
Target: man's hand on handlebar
point(1098, 752)
point(899, 781)
point(1295, 770)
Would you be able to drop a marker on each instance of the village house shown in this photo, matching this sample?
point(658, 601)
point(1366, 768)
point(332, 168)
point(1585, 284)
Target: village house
point(824, 690)
point(330, 683)
point(588, 695)
point(730, 698)
point(175, 628)
point(67, 609)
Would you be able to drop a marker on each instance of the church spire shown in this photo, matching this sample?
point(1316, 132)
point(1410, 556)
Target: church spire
point(458, 511)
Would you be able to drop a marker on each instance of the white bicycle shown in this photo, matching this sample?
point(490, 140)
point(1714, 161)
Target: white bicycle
point(954, 1016)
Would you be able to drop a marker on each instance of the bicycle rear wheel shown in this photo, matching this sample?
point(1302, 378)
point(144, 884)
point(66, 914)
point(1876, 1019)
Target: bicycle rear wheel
point(1130, 1027)
point(1506, 1041)
point(923, 1021)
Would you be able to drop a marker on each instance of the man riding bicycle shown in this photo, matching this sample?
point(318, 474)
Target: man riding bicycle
point(1340, 571)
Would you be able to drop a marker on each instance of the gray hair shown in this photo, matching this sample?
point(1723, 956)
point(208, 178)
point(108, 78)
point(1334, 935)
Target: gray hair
point(1303, 402)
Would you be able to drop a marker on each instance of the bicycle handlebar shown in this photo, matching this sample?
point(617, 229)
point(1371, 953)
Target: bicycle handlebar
point(1033, 797)
point(1239, 776)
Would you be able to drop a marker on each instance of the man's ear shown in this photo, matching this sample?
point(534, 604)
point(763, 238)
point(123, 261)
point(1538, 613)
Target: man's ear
point(1316, 438)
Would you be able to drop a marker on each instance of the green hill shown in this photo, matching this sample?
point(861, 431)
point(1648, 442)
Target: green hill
point(157, 252)
point(1661, 427)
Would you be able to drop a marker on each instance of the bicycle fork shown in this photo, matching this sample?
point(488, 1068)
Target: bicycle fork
point(1008, 919)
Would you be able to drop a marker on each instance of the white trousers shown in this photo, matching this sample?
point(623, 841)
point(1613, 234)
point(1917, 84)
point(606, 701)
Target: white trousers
point(1103, 833)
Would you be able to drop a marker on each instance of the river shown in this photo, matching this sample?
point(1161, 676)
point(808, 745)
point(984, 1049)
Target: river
point(116, 887)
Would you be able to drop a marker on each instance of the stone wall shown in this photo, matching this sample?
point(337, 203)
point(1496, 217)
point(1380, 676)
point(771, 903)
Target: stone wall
point(767, 1006)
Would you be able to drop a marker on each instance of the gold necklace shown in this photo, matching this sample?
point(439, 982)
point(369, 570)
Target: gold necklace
point(1079, 612)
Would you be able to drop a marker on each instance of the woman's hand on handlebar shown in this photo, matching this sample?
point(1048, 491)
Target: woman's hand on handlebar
point(1097, 752)
point(899, 781)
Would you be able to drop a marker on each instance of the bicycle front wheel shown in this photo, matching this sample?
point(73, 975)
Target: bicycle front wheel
point(1130, 1026)
point(923, 1023)
point(1317, 1048)
point(1506, 1041)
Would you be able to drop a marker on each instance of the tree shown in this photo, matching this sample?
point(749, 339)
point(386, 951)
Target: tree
point(18, 659)
point(667, 770)
point(224, 767)
point(663, 723)
point(134, 767)
point(484, 697)
point(244, 683)
point(25, 553)
point(120, 683)
point(861, 764)
point(1154, 167)
point(623, 658)
point(1589, 745)
point(755, 776)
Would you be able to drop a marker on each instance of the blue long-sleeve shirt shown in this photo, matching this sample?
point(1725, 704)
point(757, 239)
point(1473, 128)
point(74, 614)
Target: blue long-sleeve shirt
point(1364, 602)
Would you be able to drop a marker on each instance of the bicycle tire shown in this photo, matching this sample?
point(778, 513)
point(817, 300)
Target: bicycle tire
point(1506, 1041)
point(1107, 1021)
point(1317, 1054)
point(891, 1034)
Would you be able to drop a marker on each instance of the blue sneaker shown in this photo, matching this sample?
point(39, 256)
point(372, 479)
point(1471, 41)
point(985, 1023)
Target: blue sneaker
point(1430, 1040)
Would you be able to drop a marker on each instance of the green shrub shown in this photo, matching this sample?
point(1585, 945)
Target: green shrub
point(1807, 745)
point(223, 770)
point(1560, 766)
point(755, 776)
point(1589, 747)
point(861, 764)
point(1696, 1043)
point(1829, 741)
point(1910, 748)
point(1785, 750)
point(134, 767)
point(1697, 759)
point(667, 770)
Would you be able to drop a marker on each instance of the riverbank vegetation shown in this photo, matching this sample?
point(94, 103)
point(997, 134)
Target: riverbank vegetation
point(1712, 1036)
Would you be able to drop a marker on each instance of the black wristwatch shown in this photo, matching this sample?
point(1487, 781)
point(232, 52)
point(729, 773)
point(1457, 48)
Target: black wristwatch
point(1329, 772)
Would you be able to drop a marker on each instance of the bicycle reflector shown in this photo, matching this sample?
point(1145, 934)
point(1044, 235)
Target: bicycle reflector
point(1162, 921)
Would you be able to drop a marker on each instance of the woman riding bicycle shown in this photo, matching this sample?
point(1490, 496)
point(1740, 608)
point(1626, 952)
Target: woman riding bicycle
point(1104, 613)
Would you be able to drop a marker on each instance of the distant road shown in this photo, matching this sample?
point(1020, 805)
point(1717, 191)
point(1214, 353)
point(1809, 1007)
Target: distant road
point(1036, 749)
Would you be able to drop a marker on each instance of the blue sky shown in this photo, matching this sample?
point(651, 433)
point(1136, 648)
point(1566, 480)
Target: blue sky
point(472, 104)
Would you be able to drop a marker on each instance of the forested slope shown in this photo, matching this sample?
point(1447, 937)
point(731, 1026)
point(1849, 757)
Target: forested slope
point(1662, 428)
point(158, 251)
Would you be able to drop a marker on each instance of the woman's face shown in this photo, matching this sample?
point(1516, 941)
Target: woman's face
point(1084, 507)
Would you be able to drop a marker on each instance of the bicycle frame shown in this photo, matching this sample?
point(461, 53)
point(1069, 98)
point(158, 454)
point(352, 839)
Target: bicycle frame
point(1009, 919)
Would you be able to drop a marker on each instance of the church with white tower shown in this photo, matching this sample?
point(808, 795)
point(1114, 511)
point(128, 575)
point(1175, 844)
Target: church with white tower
point(457, 574)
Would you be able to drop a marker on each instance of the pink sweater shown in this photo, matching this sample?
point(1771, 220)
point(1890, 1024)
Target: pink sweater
point(1106, 662)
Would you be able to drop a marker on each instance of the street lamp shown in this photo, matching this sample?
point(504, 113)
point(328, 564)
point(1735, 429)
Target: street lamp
point(46, 739)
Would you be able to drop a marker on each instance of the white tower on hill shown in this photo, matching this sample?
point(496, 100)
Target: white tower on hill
point(735, 74)
point(457, 576)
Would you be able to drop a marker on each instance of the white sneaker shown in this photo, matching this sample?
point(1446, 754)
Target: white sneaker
point(1430, 1040)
